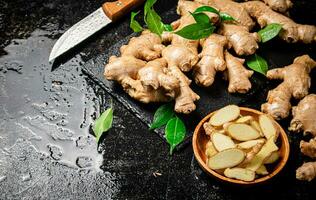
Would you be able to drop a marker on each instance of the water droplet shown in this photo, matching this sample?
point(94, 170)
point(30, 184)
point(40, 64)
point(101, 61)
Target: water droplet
point(26, 177)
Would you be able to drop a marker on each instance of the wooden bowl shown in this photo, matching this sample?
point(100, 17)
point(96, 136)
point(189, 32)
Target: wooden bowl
point(200, 139)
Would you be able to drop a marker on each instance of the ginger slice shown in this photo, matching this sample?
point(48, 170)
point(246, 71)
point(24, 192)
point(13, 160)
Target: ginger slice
point(238, 75)
point(212, 59)
point(240, 174)
point(304, 115)
point(296, 82)
point(243, 42)
point(306, 172)
point(291, 31)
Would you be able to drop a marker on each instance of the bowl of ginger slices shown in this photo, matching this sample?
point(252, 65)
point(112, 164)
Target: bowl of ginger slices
point(240, 145)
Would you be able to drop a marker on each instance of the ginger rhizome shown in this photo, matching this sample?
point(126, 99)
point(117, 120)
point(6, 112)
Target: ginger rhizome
point(154, 68)
point(304, 120)
point(296, 82)
point(304, 116)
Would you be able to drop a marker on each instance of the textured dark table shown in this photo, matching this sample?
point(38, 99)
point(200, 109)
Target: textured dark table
point(46, 149)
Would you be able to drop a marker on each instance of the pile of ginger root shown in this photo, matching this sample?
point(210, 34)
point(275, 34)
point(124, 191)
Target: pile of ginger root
point(153, 68)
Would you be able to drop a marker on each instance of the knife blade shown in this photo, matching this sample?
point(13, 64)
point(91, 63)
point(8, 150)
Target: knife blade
point(109, 12)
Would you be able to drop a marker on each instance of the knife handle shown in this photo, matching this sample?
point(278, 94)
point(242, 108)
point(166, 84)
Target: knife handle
point(117, 9)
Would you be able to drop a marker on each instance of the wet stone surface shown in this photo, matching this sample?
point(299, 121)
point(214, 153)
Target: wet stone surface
point(47, 150)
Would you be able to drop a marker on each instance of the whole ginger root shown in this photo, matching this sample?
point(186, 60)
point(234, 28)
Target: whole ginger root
point(296, 82)
point(146, 82)
point(212, 59)
point(243, 42)
point(306, 172)
point(309, 148)
point(281, 6)
point(184, 100)
point(304, 115)
point(291, 31)
point(238, 75)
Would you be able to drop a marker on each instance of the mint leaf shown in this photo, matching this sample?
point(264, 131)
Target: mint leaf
point(258, 64)
point(162, 115)
point(167, 27)
point(134, 24)
point(226, 17)
point(154, 23)
point(196, 31)
point(103, 123)
point(201, 18)
point(206, 9)
point(269, 32)
point(175, 132)
point(148, 6)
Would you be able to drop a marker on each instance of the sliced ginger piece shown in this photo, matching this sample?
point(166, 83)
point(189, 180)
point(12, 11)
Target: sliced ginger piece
point(250, 143)
point(225, 159)
point(267, 126)
point(240, 174)
point(224, 115)
point(272, 158)
point(242, 132)
point(256, 126)
point(210, 149)
point(222, 142)
point(252, 153)
point(265, 152)
point(262, 170)
point(244, 119)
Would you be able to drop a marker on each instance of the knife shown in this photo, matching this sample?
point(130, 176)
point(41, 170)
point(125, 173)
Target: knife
point(109, 12)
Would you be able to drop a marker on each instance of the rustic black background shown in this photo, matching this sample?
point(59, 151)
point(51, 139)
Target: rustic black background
point(132, 155)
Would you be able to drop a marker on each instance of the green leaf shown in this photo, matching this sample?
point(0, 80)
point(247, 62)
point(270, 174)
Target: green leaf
point(226, 17)
point(206, 9)
point(201, 17)
point(134, 24)
point(154, 23)
point(175, 132)
point(196, 31)
point(148, 7)
point(269, 32)
point(257, 64)
point(103, 123)
point(162, 115)
point(168, 27)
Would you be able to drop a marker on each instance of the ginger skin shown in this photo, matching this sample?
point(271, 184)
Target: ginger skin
point(243, 42)
point(185, 97)
point(238, 75)
point(234, 9)
point(146, 82)
point(291, 31)
point(251, 154)
point(281, 6)
point(145, 47)
point(296, 82)
point(154, 74)
point(309, 148)
point(212, 59)
point(304, 115)
point(306, 172)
